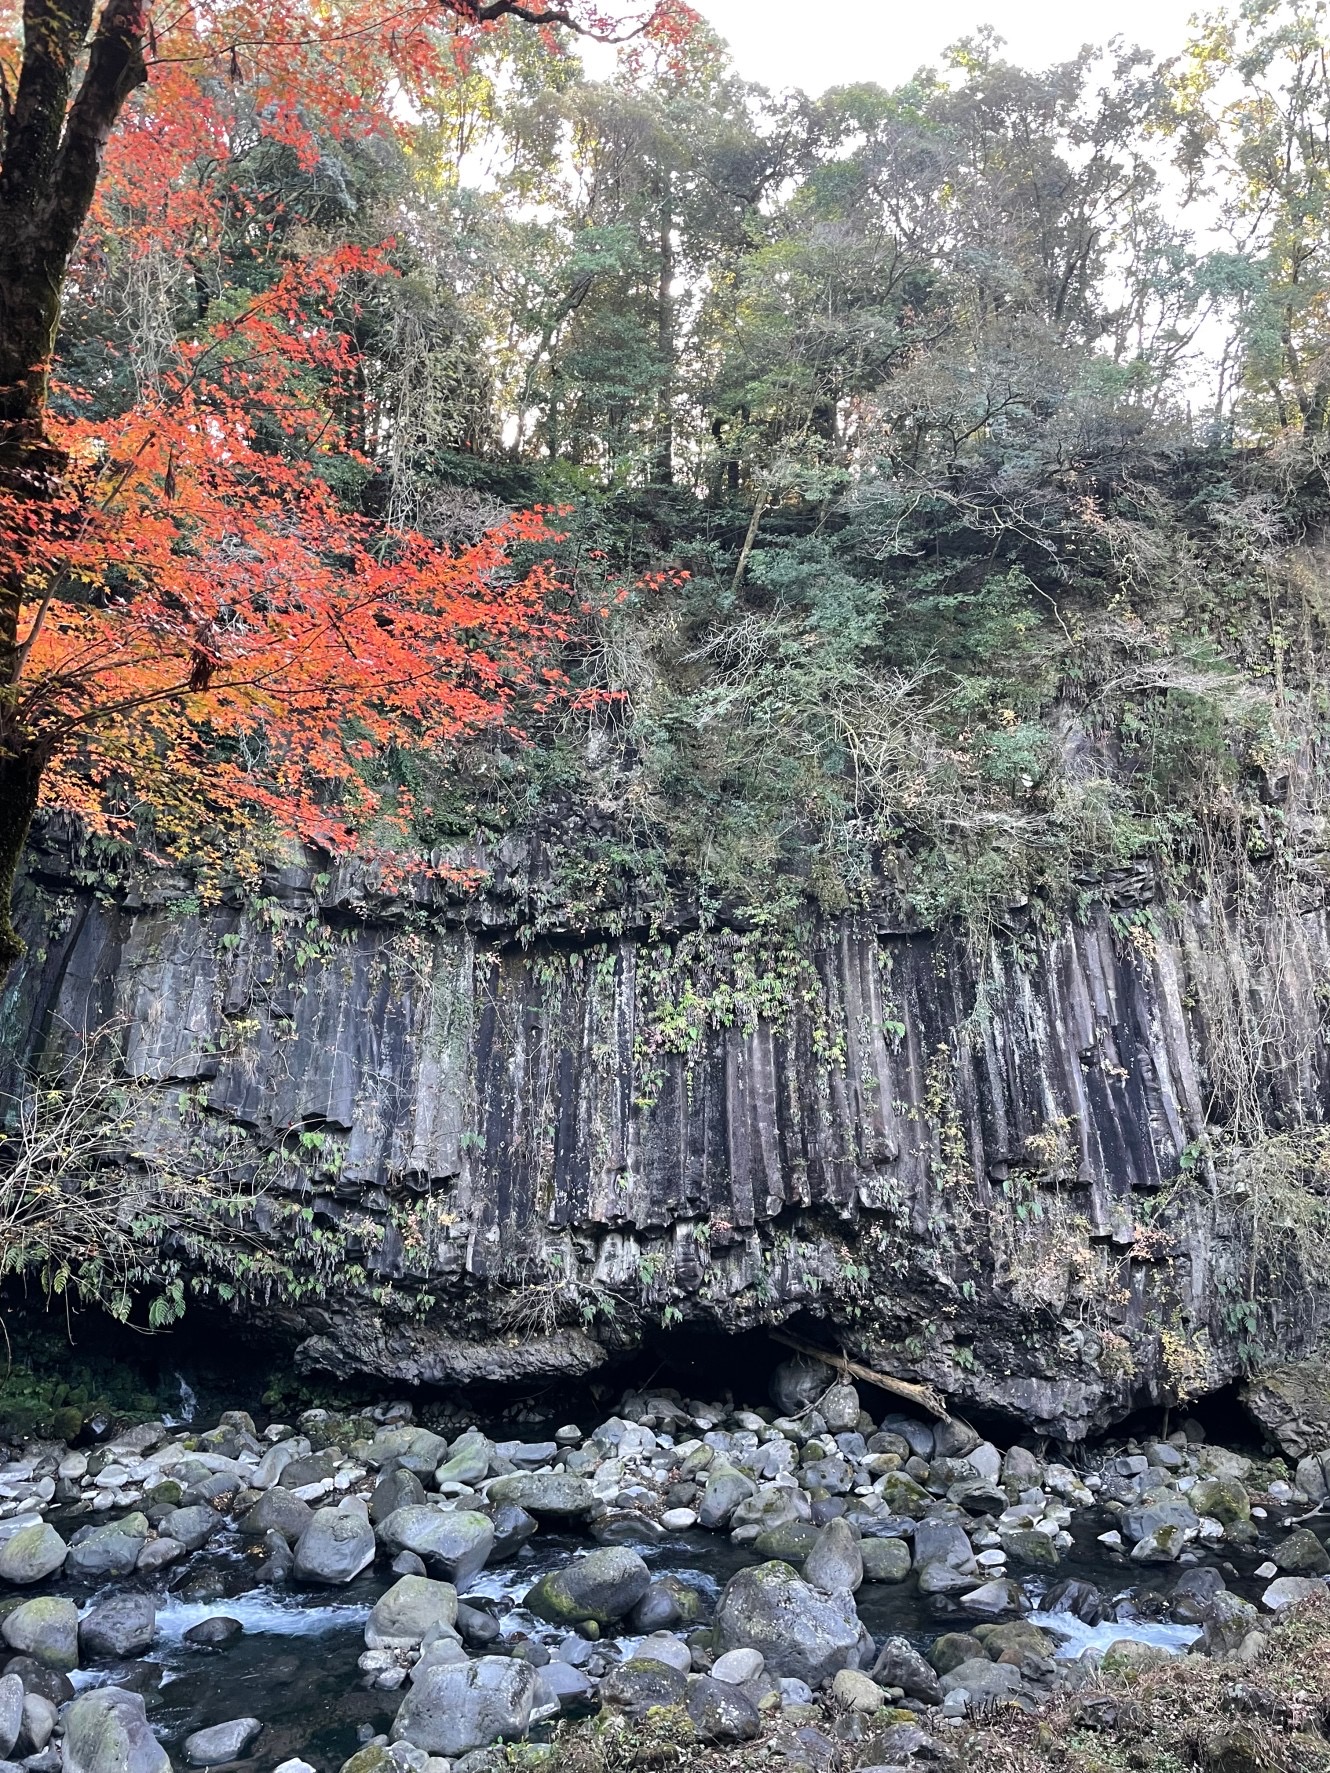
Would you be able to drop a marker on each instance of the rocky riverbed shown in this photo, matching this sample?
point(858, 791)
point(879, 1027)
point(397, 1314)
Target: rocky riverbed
point(807, 1577)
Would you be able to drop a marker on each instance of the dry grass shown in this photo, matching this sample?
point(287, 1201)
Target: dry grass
point(1187, 1712)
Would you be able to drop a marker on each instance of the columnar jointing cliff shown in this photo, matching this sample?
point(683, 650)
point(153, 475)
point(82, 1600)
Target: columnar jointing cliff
point(988, 1170)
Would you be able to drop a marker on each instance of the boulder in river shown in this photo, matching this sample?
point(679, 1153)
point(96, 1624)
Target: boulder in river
point(454, 1542)
point(335, 1547)
point(603, 1586)
point(944, 1558)
point(278, 1510)
point(799, 1631)
point(107, 1731)
point(885, 1560)
point(642, 1684)
point(835, 1564)
point(557, 1493)
point(110, 1550)
point(31, 1553)
point(47, 1629)
point(221, 1743)
point(123, 1626)
point(405, 1612)
point(458, 1706)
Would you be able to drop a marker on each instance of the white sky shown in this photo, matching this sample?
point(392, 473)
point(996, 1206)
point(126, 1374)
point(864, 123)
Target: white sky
point(835, 42)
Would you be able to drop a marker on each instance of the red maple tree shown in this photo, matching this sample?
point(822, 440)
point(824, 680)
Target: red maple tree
point(191, 618)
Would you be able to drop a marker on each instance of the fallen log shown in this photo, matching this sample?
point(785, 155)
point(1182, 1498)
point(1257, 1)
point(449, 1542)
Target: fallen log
point(922, 1395)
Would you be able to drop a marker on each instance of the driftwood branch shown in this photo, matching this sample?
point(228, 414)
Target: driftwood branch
point(922, 1395)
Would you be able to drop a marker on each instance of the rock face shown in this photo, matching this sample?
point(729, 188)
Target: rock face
point(810, 1156)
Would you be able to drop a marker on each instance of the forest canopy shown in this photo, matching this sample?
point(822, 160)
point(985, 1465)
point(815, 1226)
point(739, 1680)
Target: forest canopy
point(918, 485)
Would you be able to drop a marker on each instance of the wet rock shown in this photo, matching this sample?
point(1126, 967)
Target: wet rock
point(721, 1713)
point(397, 1489)
point(477, 1628)
point(107, 1731)
point(455, 1543)
point(899, 1664)
point(1081, 1599)
point(1224, 1499)
point(159, 1554)
point(40, 1717)
point(468, 1460)
point(124, 1626)
point(573, 1690)
point(193, 1526)
point(47, 1629)
point(669, 1601)
point(221, 1743)
point(560, 1494)
point(335, 1547)
point(277, 1511)
point(513, 1526)
point(456, 1707)
point(835, 1564)
point(603, 1586)
point(799, 1631)
point(11, 1713)
point(215, 1633)
point(405, 1612)
point(885, 1560)
point(943, 1558)
point(1028, 1545)
point(992, 1598)
point(112, 1550)
point(414, 1449)
point(1302, 1554)
point(725, 1489)
point(639, 1685)
point(31, 1553)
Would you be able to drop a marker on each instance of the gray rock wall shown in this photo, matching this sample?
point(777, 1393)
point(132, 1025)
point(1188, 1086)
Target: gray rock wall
point(991, 1170)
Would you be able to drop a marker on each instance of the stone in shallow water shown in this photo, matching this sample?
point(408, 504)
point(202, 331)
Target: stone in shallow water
point(123, 1626)
point(335, 1547)
point(112, 1550)
point(47, 1629)
point(32, 1553)
point(558, 1493)
point(885, 1560)
point(404, 1613)
point(220, 1743)
point(603, 1586)
point(107, 1731)
point(215, 1633)
point(835, 1564)
point(454, 1543)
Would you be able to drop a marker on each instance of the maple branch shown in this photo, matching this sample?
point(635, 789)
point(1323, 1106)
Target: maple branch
point(484, 12)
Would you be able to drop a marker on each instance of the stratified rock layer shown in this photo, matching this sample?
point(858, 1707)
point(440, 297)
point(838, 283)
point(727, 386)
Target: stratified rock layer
point(947, 1153)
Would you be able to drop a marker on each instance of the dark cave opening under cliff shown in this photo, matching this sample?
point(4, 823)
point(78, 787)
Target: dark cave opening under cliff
point(87, 1361)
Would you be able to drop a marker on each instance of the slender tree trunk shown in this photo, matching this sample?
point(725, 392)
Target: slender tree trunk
point(20, 783)
point(662, 467)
